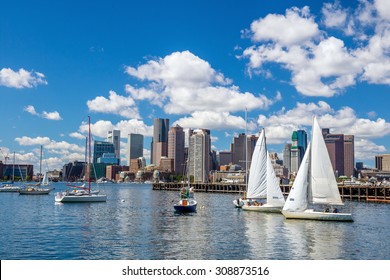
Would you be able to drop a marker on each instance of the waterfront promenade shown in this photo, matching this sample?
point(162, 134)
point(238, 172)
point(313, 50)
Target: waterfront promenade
point(370, 193)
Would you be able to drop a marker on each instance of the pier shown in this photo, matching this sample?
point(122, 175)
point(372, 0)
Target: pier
point(369, 193)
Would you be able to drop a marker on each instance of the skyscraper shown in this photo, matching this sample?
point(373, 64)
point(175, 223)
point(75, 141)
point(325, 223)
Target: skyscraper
point(239, 149)
point(295, 158)
point(341, 152)
point(349, 155)
point(287, 157)
point(159, 143)
point(298, 148)
point(176, 139)
point(135, 147)
point(100, 148)
point(199, 161)
point(382, 162)
point(114, 137)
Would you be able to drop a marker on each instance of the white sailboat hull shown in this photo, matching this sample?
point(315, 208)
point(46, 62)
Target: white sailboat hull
point(34, 191)
point(310, 214)
point(263, 208)
point(60, 197)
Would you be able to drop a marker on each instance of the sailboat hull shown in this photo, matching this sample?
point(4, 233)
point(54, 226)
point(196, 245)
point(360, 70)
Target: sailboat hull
point(31, 191)
point(320, 216)
point(263, 208)
point(80, 198)
point(182, 207)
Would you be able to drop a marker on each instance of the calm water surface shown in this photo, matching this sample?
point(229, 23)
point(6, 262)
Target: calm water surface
point(139, 223)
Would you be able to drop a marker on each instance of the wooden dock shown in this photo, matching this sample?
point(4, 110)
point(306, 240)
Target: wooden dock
point(369, 193)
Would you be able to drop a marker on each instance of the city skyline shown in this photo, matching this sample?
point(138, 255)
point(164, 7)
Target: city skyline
point(125, 64)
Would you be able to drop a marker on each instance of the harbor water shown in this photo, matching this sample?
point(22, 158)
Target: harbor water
point(138, 223)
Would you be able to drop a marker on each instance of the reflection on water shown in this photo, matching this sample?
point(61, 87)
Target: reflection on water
point(314, 239)
point(139, 223)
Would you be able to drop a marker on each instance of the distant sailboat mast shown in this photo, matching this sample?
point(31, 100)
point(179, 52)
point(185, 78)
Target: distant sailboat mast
point(89, 154)
point(246, 151)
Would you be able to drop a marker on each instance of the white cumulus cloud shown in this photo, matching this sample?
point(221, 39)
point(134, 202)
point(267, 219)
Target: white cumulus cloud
point(321, 64)
point(21, 78)
point(183, 83)
point(46, 115)
point(115, 104)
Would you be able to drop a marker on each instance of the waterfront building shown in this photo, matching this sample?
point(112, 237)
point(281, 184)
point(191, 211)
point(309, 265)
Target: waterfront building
point(238, 149)
point(277, 164)
point(101, 147)
point(135, 147)
point(349, 155)
point(298, 149)
point(73, 171)
point(18, 171)
point(159, 145)
point(166, 164)
point(382, 162)
point(176, 140)
point(137, 164)
point(55, 175)
point(225, 158)
point(359, 165)
point(287, 157)
point(199, 150)
point(295, 155)
point(341, 152)
point(114, 137)
point(113, 171)
point(108, 158)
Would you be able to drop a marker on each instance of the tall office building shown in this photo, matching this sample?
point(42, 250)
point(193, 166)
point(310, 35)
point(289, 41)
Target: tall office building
point(298, 149)
point(100, 148)
point(135, 147)
point(199, 150)
point(341, 152)
point(382, 162)
point(295, 155)
point(159, 145)
point(349, 155)
point(176, 139)
point(225, 157)
point(287, 157)
point(239, 149)
point(114, 137)
point(302, 142)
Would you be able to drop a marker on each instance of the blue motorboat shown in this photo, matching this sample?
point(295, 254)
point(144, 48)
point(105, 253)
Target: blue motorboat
point(185, 205)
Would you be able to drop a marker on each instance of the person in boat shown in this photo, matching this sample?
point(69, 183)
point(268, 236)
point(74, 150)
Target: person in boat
point(335, 210)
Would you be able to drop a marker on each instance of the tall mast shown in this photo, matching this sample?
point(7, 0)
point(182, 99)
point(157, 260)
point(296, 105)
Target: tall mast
point(246, 150)
point(89, 153)
point(40, 164)
point(13, 170)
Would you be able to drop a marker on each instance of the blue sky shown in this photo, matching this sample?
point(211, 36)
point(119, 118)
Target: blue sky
point(198, 63)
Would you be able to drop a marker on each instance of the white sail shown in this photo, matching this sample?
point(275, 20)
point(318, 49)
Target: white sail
point(45, 180)
point(257, 183)
point(274, 193)
point(323, 185)
point(297, 198)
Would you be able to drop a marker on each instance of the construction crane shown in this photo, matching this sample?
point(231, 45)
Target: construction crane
point(6, 157)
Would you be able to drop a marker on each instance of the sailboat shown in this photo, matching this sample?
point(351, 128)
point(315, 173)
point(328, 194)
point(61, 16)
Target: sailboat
point(263, 182)
point(9, 187)
point(186, 203)
point(315, 184)
point(86, 195)
point(37, 189)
